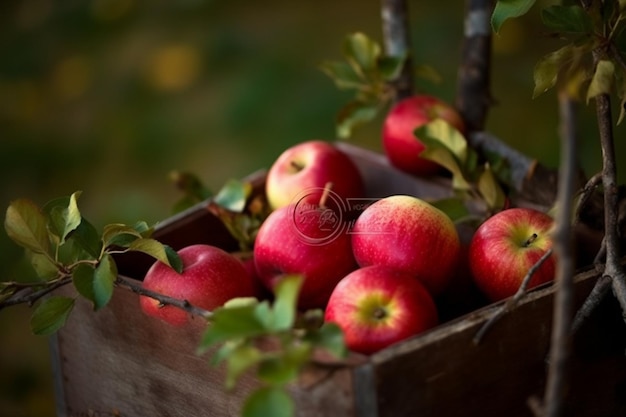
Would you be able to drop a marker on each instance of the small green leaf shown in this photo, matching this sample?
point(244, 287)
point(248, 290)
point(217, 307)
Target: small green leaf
point(437, 152)
point(361, 51)
point(354, 114)
point(64, 215)
point(571, 19)
point(507, 9)
point(26, 225)
point(87, 238)
point(342, 74)
point(330, 337)
point(158, 251)
point(391, 66)
point(50, 315)
point(117, 234)
point(269, 401)
point(547, 69)
point(174, 259)
point(104, 278)
point(602, 80)
point(239, 360)
point(286, 301)
point(491, 190)
point(43, 265)
point(447, 135)
point(83, 280)
point(230, 323)
point(234, 195)
point(284, 368)
point(453, 207)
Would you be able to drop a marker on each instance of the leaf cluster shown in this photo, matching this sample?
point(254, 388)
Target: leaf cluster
point(272, 340)
point(591, 62)
point(368, 72)
point(64, 247)
point(472, 179)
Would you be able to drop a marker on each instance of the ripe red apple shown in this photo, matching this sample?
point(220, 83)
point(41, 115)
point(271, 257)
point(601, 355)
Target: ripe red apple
point(377, 306)
point(303, 171)
point(307, 240)
point(209, 278)
point(401, 145)
point(506, 246)
point(408, 234)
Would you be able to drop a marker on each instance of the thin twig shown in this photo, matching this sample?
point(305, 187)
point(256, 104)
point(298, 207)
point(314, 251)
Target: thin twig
point(512, 302)
point(164, 299)
point(560, 343)
point(30, 295)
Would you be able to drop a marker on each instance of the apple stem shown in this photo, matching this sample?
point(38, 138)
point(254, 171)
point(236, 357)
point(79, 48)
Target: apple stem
point(530, 240)
point(380, 313)
point(327, 188)
point(296, 165)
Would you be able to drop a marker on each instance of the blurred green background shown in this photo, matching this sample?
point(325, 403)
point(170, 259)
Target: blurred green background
point(109, 96)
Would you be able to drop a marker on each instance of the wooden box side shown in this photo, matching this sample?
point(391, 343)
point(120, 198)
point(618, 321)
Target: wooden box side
point(442, 373)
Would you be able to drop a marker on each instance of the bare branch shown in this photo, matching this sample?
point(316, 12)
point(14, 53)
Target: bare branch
point(560, 349)
point(473, 80)
point(512, 302)
point(29, 295)
point(397, 42)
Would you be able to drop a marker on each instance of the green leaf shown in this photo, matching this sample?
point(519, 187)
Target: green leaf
point(269, 401)
point(26, 225)
point(602, 80)
point(158, 251)
point(284, 368)
point(104, 277)
point(237, 322)
point(50, 315)
point(571, 19)
point(241, 359)
point(42, 264)
point(442, 131)
point(87, 238)
point(547, 69)
point(453, 207)
point(66, 219)
point(354, 114)
point(83, 280)
point(330, 337)
point(391, 66)
point(438, 153)
point(361, 51)
point(286, 301)
point(491, 190)
point(233, 195)
point(507, 9)
point(117, 234)
point(342, 74)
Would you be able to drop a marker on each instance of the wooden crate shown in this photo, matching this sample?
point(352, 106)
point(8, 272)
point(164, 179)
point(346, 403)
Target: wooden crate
point(120, 362)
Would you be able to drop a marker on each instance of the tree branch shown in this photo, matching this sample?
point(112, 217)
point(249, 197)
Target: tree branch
point(34, 292)
point(560, 345)
point(163, 299)
point(397, 42)
point(473, 97)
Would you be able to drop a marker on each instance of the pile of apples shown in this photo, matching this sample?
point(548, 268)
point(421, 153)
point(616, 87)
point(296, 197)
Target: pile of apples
point(376, 269)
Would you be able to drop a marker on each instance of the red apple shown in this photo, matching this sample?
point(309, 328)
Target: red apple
point(506, 246)
point(377, 306)
point(408, 234)
point(209, 278)
point(307, 240)
point(302, 171)
point(401, 145)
